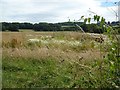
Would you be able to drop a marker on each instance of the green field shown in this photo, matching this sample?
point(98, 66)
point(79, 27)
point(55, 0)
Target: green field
point(54, 60)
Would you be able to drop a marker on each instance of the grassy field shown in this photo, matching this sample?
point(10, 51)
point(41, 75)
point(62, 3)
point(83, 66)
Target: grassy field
point(53, 59)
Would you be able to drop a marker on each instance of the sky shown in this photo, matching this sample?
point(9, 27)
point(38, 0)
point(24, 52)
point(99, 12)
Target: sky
point(54, 11)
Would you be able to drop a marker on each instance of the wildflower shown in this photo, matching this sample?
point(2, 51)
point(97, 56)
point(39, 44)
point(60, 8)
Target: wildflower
point(113, 49)
point(33, 40)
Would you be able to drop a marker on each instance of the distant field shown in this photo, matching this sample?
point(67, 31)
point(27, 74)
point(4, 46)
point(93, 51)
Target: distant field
point(26, 30)
point(52, 59)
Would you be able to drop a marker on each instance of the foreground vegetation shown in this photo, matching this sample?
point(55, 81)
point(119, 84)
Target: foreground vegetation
point(51, 73)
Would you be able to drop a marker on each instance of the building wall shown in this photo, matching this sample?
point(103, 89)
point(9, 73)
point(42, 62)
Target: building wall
point(119, 10)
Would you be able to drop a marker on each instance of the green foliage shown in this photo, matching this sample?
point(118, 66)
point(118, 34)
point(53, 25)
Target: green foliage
point(64, 26)
point(82, 17)
point(113, 56)
point(102, 22)
point(89, 19)
point(85, 20)
point(98, 18)
point(95, 17)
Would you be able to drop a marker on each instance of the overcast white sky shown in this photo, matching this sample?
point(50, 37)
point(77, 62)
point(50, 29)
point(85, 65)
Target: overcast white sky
point(54, 10)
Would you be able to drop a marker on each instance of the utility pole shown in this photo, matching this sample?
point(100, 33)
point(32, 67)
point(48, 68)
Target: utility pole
point(116, 13)
point(119, 11)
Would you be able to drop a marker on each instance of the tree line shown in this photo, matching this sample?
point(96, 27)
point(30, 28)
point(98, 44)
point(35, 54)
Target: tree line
point(64, 26)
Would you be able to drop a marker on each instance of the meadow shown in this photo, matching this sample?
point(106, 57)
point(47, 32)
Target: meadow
point(55, 60)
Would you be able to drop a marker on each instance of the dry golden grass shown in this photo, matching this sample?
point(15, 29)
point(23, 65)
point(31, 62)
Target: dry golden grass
point(22, 36)
point(16, 44)
point(56, 53)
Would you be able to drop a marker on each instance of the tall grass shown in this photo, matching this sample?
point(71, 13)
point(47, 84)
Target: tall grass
point(54, 65)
